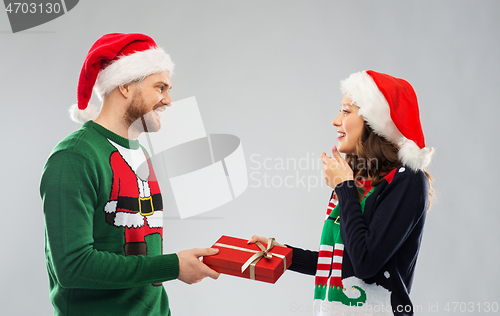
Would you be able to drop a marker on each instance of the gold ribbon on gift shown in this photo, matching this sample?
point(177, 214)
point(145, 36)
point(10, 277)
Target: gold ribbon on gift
point(263, 253)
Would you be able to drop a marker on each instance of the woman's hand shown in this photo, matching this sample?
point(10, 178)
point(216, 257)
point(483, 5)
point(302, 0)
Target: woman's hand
point(264, 240)
point(336, 169)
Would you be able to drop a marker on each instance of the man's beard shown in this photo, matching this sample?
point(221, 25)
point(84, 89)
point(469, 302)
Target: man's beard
point(140, 117)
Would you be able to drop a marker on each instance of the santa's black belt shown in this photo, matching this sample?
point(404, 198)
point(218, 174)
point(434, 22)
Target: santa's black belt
point(145, 206)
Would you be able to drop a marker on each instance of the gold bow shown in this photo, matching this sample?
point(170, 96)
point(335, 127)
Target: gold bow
point(263, 253)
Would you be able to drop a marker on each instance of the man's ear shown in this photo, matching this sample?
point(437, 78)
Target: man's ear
point(125, 90)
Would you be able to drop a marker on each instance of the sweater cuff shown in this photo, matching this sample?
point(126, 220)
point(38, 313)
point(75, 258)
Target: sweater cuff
point(303, 261)
point(347, 190)
point(165, 267)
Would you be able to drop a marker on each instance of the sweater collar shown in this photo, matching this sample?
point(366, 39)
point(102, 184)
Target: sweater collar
point(122, 141)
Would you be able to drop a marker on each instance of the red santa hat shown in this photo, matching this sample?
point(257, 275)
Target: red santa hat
point(116, 59)
point(389, 106)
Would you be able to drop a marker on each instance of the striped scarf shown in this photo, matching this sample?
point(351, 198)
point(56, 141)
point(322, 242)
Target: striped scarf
point(331, 251)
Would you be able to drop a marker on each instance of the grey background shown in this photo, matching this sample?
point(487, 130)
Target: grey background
point(269, 72)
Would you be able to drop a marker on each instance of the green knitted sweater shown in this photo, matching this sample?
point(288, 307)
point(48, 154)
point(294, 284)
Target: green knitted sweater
point(103, 250)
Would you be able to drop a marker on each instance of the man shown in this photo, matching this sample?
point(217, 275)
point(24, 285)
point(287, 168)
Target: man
point(102, 203)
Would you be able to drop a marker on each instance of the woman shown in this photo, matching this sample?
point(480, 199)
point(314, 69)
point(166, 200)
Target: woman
point(375, 218)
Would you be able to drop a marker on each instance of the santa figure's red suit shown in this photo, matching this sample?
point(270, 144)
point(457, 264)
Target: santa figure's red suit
point(135, 201)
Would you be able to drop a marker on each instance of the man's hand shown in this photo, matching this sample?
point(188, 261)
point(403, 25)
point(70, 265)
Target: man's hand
point(191, 269)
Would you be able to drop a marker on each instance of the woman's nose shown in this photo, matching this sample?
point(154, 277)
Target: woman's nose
point(337, 121)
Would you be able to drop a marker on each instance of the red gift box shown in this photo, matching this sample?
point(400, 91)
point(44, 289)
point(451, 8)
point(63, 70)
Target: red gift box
point(235, 252)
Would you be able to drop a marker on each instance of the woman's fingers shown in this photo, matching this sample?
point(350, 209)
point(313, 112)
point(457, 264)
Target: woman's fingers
point(335, 169)
point(323, 157)
point(256, 238)
point(327, 160)
point(263, 240)
point(338, 157)
point(336, 154)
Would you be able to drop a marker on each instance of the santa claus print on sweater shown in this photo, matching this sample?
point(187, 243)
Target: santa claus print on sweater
point(135, 201)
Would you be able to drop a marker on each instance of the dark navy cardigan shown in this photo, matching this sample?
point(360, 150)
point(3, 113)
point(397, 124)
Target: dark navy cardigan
point(386, 237)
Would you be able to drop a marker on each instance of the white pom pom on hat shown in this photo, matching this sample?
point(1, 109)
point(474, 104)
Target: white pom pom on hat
point(389, 106)
point(113, 60)
point(81, 116)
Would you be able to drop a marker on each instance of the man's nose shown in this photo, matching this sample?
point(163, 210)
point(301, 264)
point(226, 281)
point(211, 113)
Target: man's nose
point(166, 100)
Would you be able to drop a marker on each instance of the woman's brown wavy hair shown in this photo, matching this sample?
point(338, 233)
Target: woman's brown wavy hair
point(376, 157)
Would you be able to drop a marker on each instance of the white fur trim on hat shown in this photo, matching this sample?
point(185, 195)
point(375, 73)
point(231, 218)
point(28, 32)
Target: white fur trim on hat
point(375, 110)
point(82, 116)
point(133, 67)
point(373, 106)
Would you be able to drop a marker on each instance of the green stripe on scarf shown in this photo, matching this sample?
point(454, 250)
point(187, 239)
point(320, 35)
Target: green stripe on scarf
point(330, 236)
